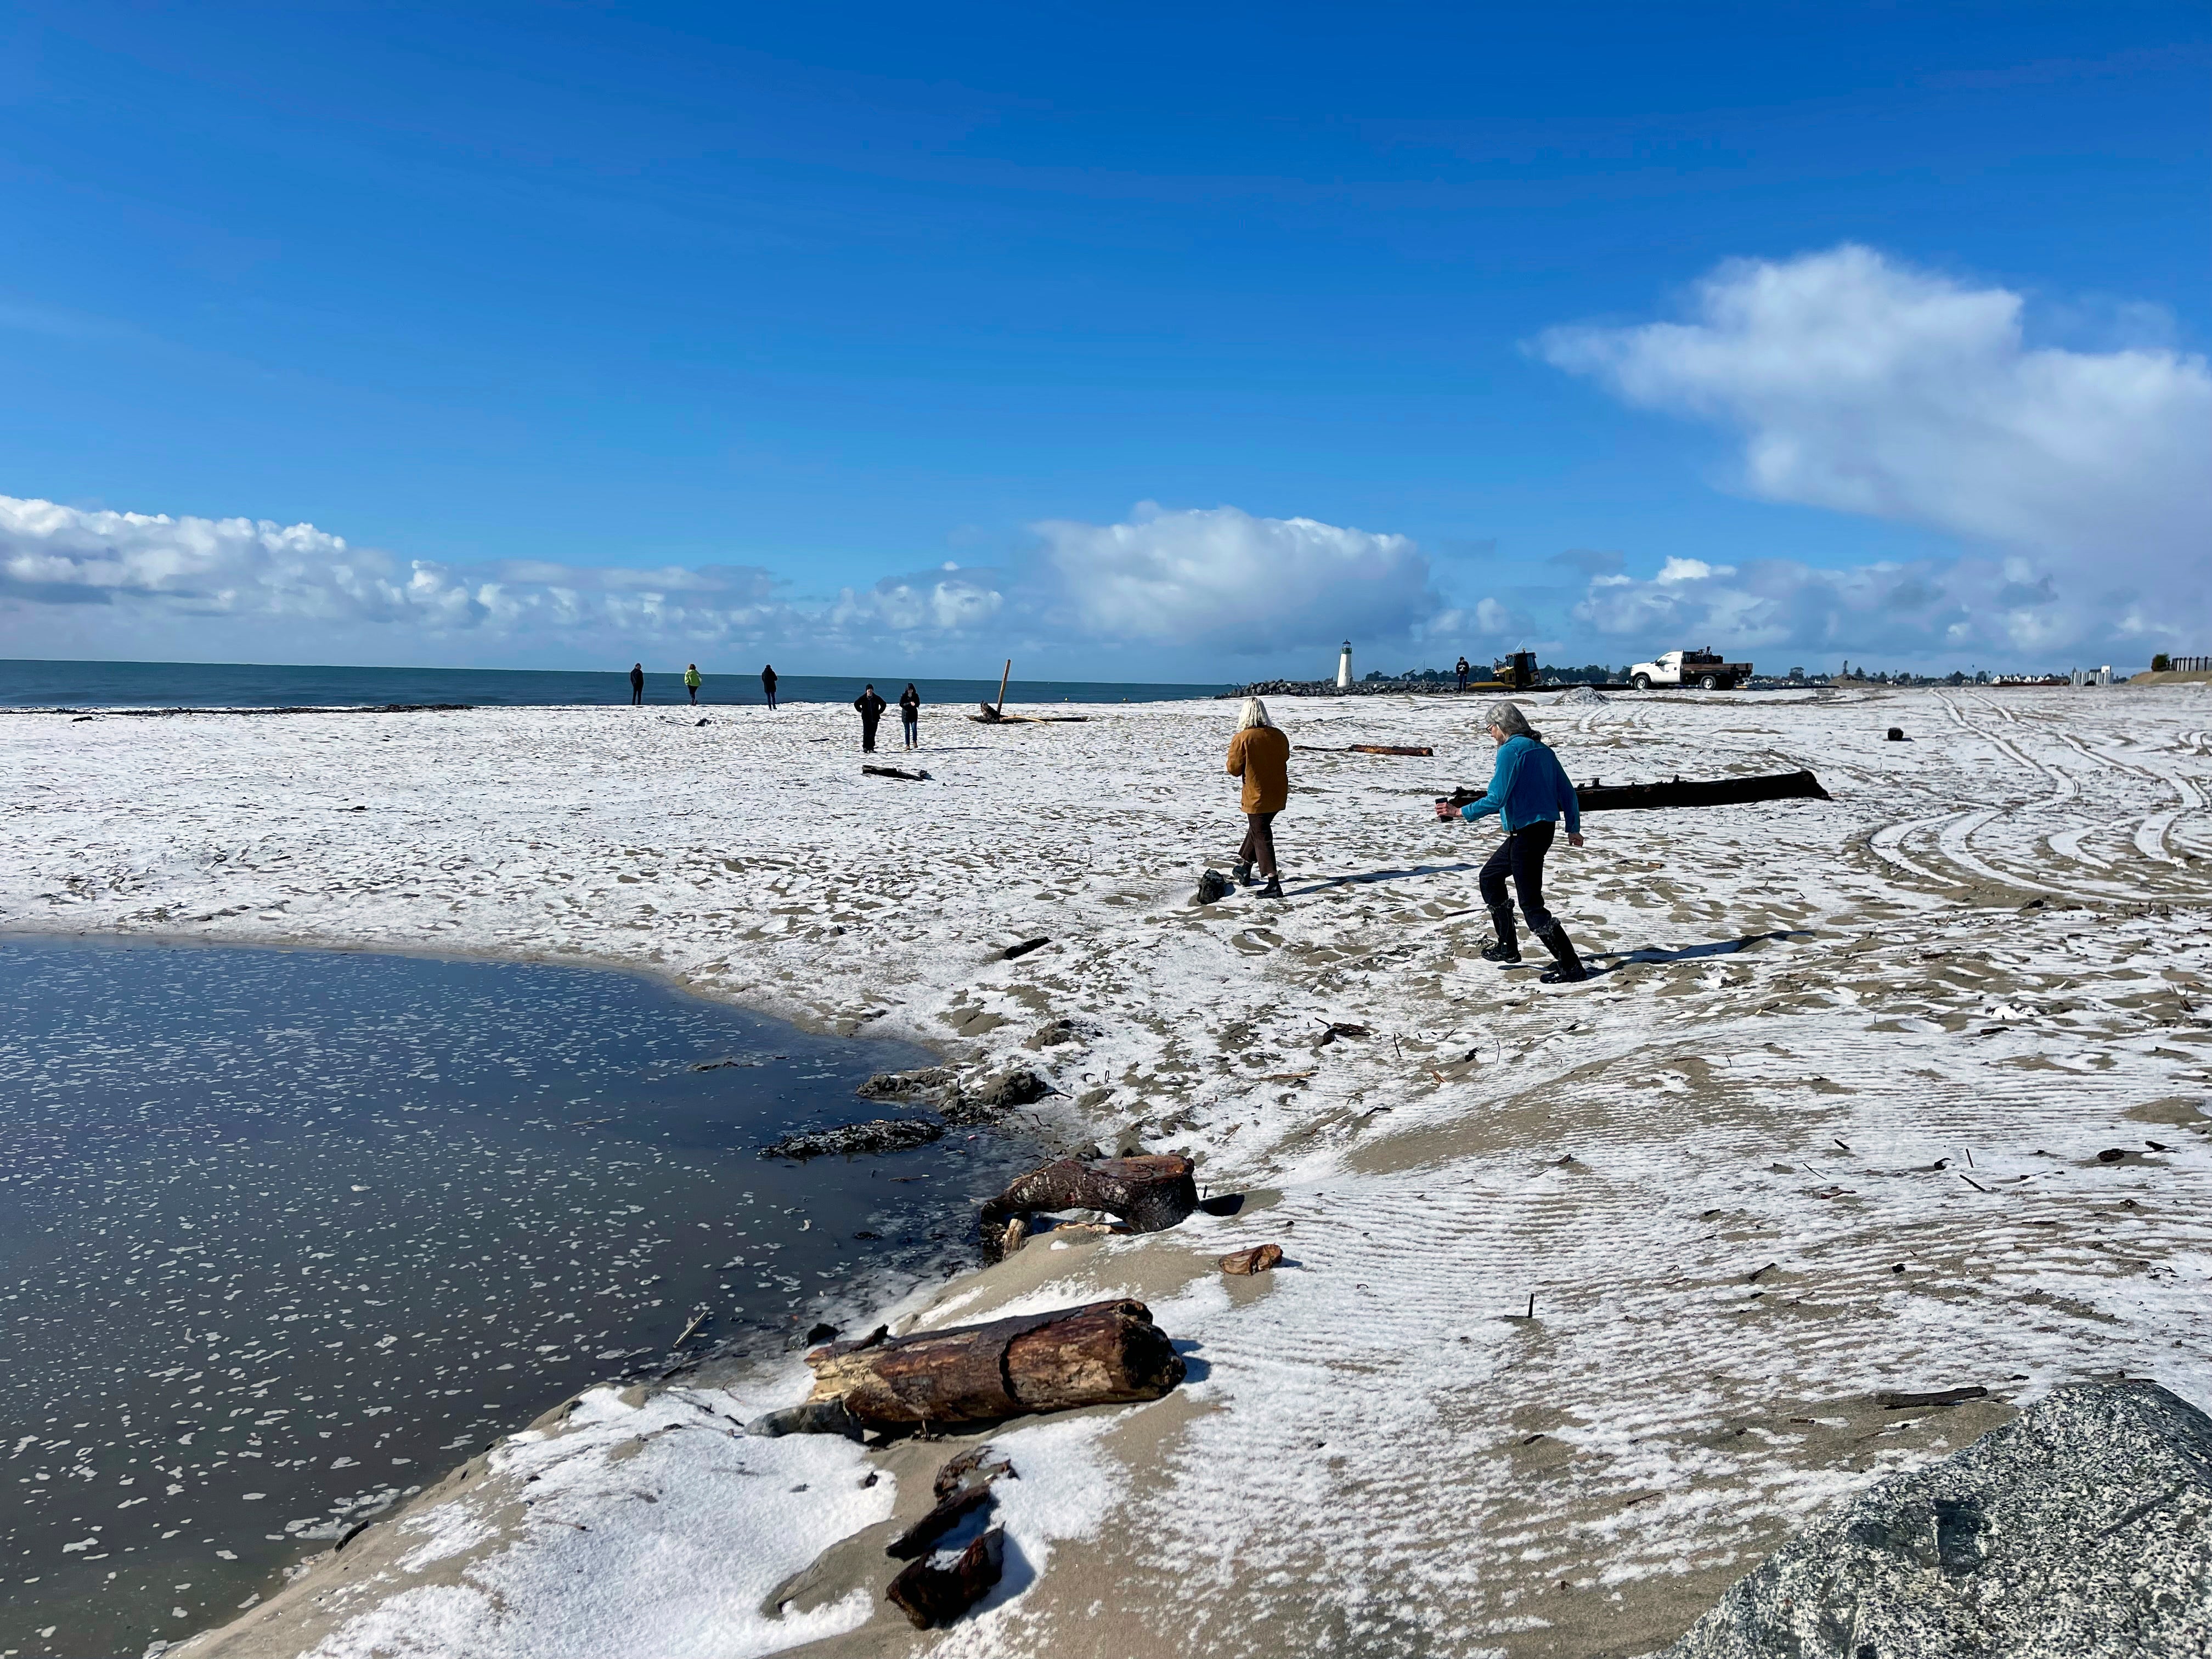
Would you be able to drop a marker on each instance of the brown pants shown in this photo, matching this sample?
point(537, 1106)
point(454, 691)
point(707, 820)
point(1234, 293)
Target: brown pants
point(1259, 847)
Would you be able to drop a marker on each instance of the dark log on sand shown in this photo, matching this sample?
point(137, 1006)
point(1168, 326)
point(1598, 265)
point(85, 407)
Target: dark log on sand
point(895, 772)
point(1100, 1354)
point(1151, 1193)
point(1907, 1402)
point(1719, 791)
point(930, 1595)
point(1362, 748)
point(1715, 791)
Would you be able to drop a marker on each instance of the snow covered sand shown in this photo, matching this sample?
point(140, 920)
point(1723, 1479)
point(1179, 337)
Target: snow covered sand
point(1734, 1171)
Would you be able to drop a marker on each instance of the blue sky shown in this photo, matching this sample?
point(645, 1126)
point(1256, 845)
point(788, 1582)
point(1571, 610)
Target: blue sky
point(595, 332)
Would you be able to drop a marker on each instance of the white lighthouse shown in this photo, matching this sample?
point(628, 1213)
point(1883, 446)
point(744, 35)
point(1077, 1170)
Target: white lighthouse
point(1344, 668)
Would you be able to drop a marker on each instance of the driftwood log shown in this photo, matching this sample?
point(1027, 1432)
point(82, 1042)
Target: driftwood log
point(1151, 1193)
point(1102, 1353)
point(1366, 749)
point(1678, 792)
point(930, 1595)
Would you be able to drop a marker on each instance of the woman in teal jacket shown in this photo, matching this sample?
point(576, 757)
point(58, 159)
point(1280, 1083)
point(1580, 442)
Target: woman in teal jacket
point(1528, 791)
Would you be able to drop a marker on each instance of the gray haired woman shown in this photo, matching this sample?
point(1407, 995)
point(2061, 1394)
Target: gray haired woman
point(1528, 791)
point(1260, 755)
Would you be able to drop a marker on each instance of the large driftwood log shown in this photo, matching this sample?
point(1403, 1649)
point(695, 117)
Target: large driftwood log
point(1713, 792)
point(1719, 791)
point(1151, 1193)
point(1102, 1353)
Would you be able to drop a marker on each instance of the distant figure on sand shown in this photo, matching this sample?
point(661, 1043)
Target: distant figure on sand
point(1529, 790)
point(691, 683)
point(1260, 755)
point(1463, 672)
point(871, 708)
point(636, 683)
point(768, 683)
point(911, 715)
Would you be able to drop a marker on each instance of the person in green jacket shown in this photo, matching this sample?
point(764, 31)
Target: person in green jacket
point(691, 683)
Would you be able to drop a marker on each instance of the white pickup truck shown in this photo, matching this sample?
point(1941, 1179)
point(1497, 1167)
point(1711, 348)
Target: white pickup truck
point(1699, 668)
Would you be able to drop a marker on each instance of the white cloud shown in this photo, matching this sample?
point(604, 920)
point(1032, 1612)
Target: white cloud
point(1864, 384)
point(1226, 579)
point(137, 579)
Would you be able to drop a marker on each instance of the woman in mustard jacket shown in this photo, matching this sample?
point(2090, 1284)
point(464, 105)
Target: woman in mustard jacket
point(1260, 755)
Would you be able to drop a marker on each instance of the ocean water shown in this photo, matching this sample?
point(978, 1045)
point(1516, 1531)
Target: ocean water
point(286, 1235)
point(32, 684)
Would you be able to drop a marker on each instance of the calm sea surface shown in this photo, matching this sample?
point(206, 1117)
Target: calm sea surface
point(286, 1235)
point(26, 684)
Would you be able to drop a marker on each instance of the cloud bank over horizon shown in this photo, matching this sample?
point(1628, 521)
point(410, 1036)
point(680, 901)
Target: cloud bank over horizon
point(2073, 483)
point(1216, 582)
point(2078, 482)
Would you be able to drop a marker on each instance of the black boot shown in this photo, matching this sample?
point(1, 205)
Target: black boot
point(1567, 968)
point(1506, 951)
point(1241, 871)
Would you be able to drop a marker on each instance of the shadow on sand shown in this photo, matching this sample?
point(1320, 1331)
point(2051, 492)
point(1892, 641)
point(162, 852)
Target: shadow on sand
point(1719, 947)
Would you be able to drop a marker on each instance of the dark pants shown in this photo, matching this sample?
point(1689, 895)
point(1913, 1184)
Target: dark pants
point(1520, 856)
point(1462, 682)
point(694, 690)
point(868, 733)
point(636, 693)
point(770, 691)
point(1259, 847)
point(913, 724)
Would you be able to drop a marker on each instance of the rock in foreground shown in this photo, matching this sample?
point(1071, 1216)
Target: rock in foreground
point(2081, 1529)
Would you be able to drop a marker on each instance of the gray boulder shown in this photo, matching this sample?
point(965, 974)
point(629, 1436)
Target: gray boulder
point(2082, 1529)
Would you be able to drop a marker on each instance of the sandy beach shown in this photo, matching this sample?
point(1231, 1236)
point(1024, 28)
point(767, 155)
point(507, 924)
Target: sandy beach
point(1827, 1122)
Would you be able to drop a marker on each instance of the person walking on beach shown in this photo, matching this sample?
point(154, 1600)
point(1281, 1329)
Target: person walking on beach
point(911, 715)
point(1260, 755)
point(691, 683)
point(871, 708)
point(768, 683)
point(1463, 672)
point(636, 683)
point(1528, 791)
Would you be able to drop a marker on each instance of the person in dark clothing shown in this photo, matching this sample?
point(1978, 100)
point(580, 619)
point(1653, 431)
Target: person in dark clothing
point(768, 683)
point(1529, 790)
point(636, 683)
point(1463, 672)
point(871, 708)
point(911, 715)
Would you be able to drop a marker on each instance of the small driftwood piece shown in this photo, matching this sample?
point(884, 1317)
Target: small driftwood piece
point(978, 1465)
point(1906, 1402)
point(930, 1595)
point(1258, 1260)
point(1102, 1353)
point(895, 772)
point(1015, 953)
point(921, 1537)
point(1151, 1192)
